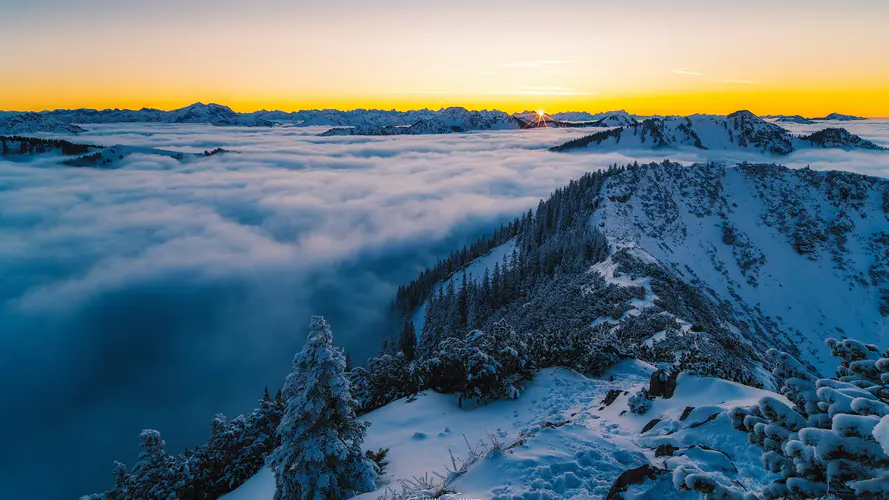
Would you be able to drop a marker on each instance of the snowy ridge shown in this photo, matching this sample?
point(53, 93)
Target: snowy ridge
point(445, 121)
point(739, 131)
point(794, 119)
point(837, 138)
point(728, 261)
point(198, 113)
point(772, 245)
point(29, 123)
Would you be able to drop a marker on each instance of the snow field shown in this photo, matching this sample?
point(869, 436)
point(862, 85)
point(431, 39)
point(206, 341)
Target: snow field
point(557, 440)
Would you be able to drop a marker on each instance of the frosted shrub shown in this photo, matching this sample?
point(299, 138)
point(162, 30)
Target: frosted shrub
point(640, 402)
point(831, 439)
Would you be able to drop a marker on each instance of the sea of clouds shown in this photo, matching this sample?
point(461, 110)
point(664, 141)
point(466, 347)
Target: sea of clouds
point(160, 293)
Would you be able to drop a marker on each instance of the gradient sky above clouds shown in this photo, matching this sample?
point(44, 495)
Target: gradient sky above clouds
point(649, 56)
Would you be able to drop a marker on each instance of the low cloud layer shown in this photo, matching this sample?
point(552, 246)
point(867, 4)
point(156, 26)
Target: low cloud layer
point(161, 293)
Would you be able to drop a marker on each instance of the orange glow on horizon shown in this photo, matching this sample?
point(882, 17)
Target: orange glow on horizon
point(872, 103)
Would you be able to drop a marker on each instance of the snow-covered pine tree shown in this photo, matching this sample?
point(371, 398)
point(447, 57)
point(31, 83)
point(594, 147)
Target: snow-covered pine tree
point(320, 454)
point(359, 386)
point(407, 341)
point(157, 473)
point(390, 378)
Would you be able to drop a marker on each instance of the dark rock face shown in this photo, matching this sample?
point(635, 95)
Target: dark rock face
point(610, 397)
point(665, 450)
point(650, 425)
point(630, 477)
point(663, 384)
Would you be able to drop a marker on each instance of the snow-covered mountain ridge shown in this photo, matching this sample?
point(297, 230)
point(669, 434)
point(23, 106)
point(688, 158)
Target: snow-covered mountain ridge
point(706, 258)
point(29, 123)
point(796, 255)
point(452, 120)
point(739, 131)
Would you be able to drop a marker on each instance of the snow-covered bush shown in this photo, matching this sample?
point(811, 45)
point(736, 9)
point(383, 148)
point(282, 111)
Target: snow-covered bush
point(828, 439)
point(711, 486)
point(640, 402)
point(320, 453)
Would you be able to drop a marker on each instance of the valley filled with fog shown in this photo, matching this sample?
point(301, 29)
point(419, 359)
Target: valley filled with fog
point(160, 292)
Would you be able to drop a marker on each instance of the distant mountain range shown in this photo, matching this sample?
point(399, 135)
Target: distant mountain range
point(451, 120)
point(741, 130)
point(371, 122)
point(808, 121)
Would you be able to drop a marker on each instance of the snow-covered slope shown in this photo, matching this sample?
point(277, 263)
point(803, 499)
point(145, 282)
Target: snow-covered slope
point(558, 440)
point(840, 117)
point(353, 118)
point(474, 271)
point(791, 256)
point(837, 138)
point(29, 123)
point(739, 131)
point(724, 260)
point(200, 113)
point(445, 121)
point(583, 116)
point(616, 119)
point(84, 115)
point(213, 114)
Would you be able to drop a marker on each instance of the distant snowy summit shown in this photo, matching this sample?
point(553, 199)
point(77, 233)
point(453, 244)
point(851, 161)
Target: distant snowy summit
point(809, 121)
point(618, 118)
point(840, 117)
point(838, 138)
point(30, 123)
point(798, 119)
point(739, 131)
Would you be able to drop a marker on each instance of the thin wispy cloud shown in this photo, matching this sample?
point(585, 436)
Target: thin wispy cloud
point(686, 72)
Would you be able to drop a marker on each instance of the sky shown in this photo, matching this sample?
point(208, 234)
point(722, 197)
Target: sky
point(809, 57)
point(158, 294)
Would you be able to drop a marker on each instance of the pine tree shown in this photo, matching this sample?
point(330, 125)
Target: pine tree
point(157, 472)
point(320, 455)
point(407, 342)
